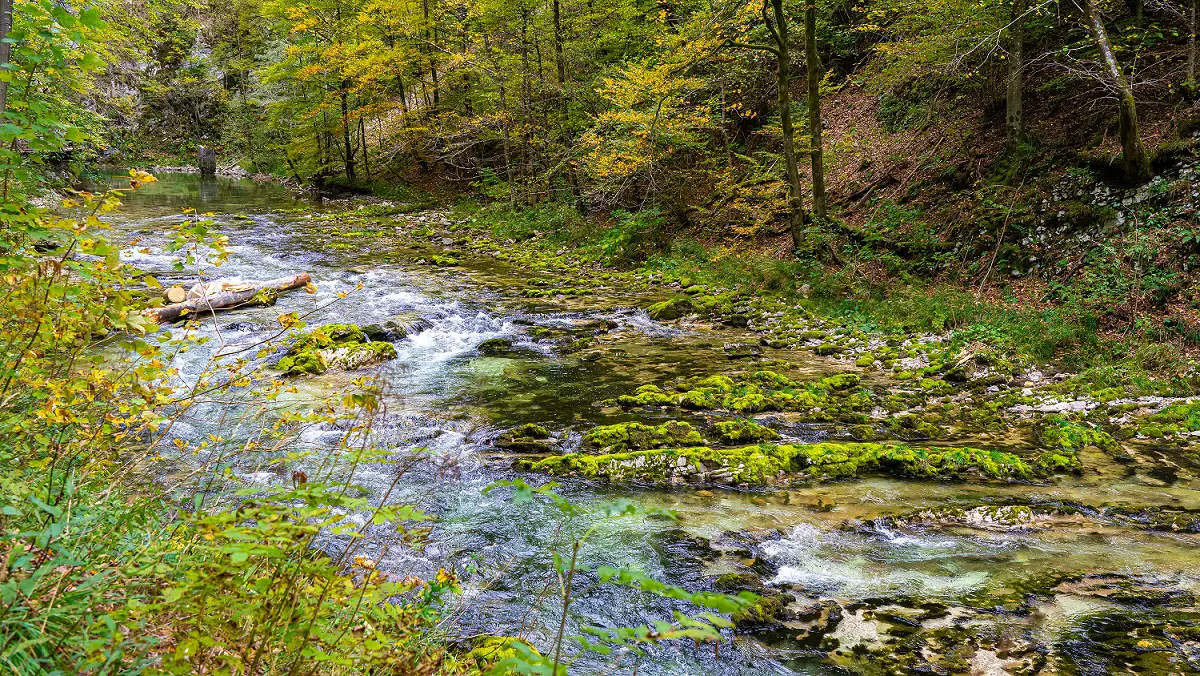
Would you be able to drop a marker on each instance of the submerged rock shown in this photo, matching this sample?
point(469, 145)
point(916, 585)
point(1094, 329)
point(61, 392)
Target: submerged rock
point(334, 346)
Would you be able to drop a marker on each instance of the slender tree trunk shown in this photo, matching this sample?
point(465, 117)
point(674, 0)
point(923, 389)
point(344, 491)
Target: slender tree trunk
point(1137, 165)
point(572, 177)
point(1191, 76)
point(813, 69)
point(362, 136)
point(1014, 122)
point(795, 201)
point(346, 132)
point(431, 36)
point(6, 18)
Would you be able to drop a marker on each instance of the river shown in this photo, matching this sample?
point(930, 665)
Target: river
point(441, 394)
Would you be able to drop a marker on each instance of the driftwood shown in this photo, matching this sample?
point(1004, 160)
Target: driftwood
point(259, 294)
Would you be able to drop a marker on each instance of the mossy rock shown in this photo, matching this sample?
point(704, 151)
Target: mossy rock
point(766, 463)
point(766, 612)
point(527, 438)
point(396, 328)
point(646, 395)
point(499, 347)
point(671, 309)
point(443, 261)
point(840, 382)
point(827, 349)
point(634, 435)
point(334, 346)
point(699, 400)
point(744, 431)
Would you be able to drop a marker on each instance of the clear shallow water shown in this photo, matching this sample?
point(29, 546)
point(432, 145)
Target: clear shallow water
point(443, 396)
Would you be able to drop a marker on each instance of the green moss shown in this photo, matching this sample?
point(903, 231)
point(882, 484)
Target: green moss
point(443, 261)
point(715, 384)
point(540, 332)
point(742, 431)
point(766, 611)
point(486, 651)
point(738, 581)
point(334, 346)
point(495, 347)
point(527, 438)
point(673, 308)
point(531, 430)
point(699, 400)
point(747, 403)
point(309, 362)
point(646, 395)
point(771, 378)
point(841, 381)
point(1060, 434)
point(634, 435)
point(865, 360)
point(826, 349)
point(765, 463)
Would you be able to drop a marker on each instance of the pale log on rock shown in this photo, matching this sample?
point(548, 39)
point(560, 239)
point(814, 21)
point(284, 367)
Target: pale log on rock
point(257, 294)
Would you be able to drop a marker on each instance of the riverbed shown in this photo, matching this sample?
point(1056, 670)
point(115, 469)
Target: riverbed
point(1069, 595)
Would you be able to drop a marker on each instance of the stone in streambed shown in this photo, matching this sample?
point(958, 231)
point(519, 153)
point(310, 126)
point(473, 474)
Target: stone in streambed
point(528, 438)
point(334, 346)
point(396, 328)
point(671, 309)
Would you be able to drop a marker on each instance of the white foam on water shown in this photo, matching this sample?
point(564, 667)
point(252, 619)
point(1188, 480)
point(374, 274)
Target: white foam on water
point(853, 566)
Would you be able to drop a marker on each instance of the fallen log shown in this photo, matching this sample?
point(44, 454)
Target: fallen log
point(259, 294)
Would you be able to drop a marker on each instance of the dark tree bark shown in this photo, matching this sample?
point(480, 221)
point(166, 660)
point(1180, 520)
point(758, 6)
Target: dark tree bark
point(1133, 153)
point(1191, 75)
point(1014, 123)
point(572, 176)
point(784, 77)
point(812, 65)
point(779, 48)
point(349, 149)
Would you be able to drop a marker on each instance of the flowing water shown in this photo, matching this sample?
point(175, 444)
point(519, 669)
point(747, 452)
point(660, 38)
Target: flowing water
point(444, 396)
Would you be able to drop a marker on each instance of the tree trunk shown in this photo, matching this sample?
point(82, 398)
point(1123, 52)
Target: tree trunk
point(432, 65)
point(1137, 165)
point(1191, 76)
point(813, 68)
point(6, 18)
point(346, 132)
point(362, 137)
point(572, 177)
point(1014, 123)
point(795, 201)
point(262, 294)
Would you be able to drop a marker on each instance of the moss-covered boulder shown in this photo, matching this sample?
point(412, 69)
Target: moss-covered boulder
point(765, 613)
point(670, 309)
point(334, 346)
point(503, 347)
point(744, 431)
point(646, 395)
point(634, 435)
point(396, 328)
point(527, 438)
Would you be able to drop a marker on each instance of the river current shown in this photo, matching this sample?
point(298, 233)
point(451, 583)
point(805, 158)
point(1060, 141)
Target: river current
point(446, 398)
